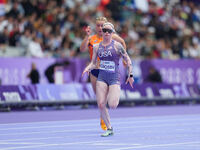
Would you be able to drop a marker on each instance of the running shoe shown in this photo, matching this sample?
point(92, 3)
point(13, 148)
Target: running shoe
point(103, 125)
point(108, 132)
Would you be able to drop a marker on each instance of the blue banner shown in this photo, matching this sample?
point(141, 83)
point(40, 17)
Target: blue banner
point(82, 91)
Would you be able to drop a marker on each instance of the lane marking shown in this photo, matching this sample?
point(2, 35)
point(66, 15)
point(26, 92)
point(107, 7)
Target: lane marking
point(47, 145)
point(155, 145)
point(123, 118)
point(19, 143)
point(46, 138)
point(114, 144)
point(90, 124)
point(96, 135)
point(95, 129)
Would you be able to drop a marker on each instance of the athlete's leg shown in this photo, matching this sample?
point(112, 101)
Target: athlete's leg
point(101, 90)
point(93, 78)
point(113, 95)
point(93, 81)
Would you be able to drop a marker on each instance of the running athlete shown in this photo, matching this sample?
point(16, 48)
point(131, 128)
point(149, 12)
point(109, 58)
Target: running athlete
point(109, 52)
point(89, 42)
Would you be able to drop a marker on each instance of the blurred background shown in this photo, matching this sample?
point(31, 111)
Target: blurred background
point(41, 63)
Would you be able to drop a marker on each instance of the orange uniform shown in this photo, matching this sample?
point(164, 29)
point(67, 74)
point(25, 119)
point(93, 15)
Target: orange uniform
point(95, 39)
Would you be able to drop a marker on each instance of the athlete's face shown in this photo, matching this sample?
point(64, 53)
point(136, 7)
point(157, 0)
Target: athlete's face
point(107, 31)
point(99, 25)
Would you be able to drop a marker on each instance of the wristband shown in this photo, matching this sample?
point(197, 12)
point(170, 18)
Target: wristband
point(131, 75)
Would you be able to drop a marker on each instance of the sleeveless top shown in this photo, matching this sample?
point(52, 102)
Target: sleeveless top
point(109, 58)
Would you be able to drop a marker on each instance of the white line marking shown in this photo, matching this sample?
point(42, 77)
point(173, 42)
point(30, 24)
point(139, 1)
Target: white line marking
point(95, 135)
point(94, 129)
point(155, 145)
point(90, 124)
point(128, 118)
point(114, 144)
point(19, 143)
point(47, 145)
point(54, 137)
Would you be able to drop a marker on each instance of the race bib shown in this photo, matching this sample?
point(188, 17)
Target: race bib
point(107, 65)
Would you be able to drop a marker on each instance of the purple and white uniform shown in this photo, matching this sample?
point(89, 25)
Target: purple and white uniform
point(109, 64)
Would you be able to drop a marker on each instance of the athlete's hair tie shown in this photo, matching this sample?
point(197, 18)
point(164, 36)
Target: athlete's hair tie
point(110, 24)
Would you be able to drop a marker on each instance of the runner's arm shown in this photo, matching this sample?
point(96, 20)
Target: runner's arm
point(125, 56)
point(120, 40)
point(85, 42)
point(93, 63)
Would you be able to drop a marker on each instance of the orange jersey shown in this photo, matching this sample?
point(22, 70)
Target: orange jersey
point(93, 40)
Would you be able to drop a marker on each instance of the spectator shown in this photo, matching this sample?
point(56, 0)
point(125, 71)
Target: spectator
point(58, 25)
point(49, 72)
point(34, 74)
point(154, 76)
point(25, 39)
point(4, 37)
point(35, 49)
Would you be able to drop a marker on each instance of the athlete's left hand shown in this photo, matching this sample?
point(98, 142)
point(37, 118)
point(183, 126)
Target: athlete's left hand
point(86, 70)
point(130, 80)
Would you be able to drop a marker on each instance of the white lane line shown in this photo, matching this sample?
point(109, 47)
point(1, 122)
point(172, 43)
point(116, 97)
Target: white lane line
point(114, 144)
point(46, 132)
point(96, 134)
point(19, 143)
point(46, 138)
point(135, 118)
point(94, 129)
point(90, 124)
point(155, 145)
point(48, 145)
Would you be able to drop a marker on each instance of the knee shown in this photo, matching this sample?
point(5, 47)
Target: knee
point(101, 105)
point(113, 105)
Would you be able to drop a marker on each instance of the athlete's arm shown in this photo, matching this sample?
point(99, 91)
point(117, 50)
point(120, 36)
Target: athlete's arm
point(125, 56)
point(120, 40)
point(93, 63)
point(94, 56)
point(85, 42)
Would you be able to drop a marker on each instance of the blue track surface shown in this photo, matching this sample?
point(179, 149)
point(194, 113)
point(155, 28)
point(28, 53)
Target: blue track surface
point(165, 131)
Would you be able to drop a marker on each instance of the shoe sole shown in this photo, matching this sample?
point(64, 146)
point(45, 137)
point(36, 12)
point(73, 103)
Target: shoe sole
point(107, 135)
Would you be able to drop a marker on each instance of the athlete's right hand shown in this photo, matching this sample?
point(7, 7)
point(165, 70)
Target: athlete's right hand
point(88, 30)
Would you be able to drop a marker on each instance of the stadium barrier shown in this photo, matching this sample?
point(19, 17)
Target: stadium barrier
point(35, 96)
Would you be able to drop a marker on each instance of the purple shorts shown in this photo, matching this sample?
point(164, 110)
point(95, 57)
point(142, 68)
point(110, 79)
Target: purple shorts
point(95, 72)
point(108, 77)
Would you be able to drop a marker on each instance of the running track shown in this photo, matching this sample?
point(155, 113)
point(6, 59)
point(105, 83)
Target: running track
point(136, 128)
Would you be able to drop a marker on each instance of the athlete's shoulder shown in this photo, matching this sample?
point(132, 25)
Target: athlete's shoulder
point(116, 42)
point(118, 45)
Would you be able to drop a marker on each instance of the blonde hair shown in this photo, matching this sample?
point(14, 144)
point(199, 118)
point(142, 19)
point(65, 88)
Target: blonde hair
point(101, 19)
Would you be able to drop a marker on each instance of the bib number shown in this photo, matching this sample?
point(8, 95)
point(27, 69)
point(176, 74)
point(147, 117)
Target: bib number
point(107, 65)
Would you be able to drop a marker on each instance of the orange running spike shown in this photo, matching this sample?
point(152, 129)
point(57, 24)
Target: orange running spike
point(103, 125)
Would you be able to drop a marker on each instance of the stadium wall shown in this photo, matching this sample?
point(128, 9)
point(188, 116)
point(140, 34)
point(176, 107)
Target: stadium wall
point(181, 83)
